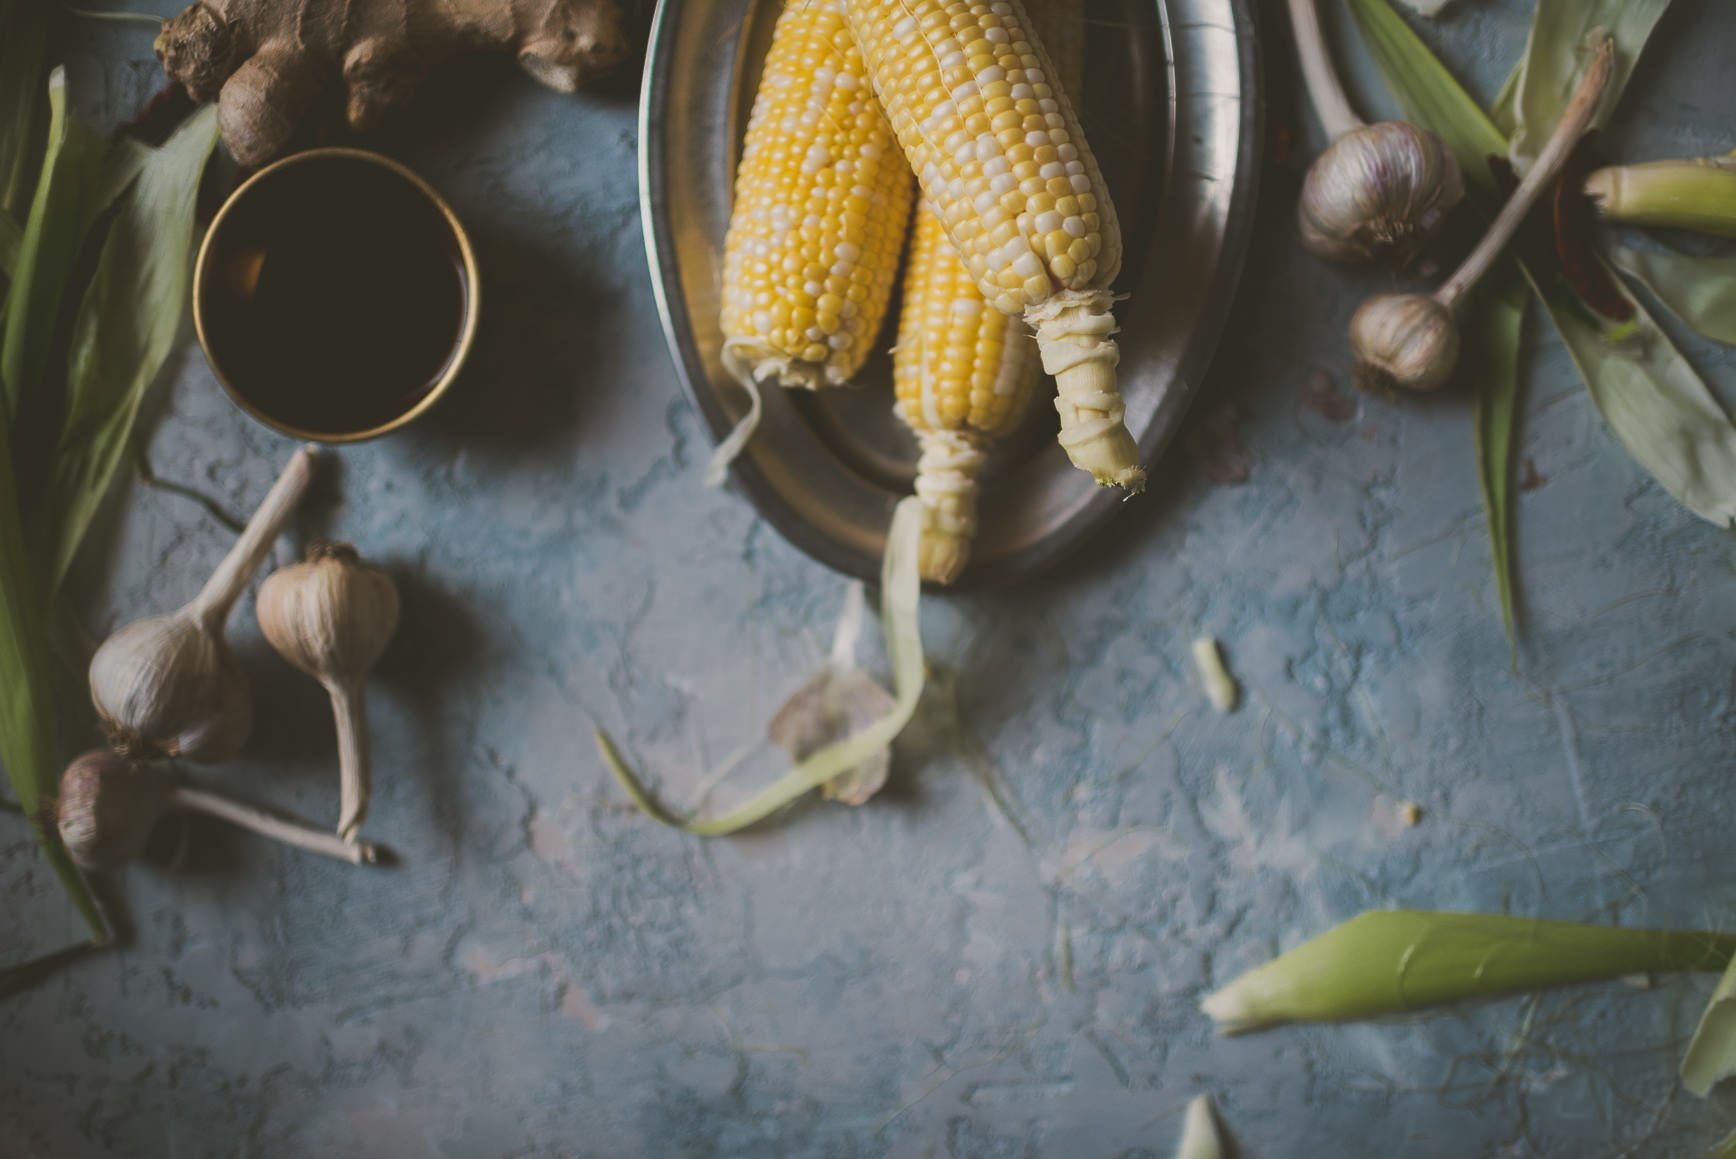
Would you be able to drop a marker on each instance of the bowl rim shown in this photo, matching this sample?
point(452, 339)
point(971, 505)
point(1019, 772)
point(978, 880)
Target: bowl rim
point(472, 305)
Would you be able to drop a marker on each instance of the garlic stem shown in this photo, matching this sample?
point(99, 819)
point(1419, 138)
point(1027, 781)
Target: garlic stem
point(353, 766)
point(1568, 131)
point(212, 605)
point(276, 828)
point(1696, 194)
point(1325, 90)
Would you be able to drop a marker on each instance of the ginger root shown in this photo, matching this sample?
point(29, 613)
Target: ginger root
point(265, 61)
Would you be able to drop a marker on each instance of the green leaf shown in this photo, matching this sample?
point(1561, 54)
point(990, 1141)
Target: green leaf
point(1654, 403)
point(1393, 961)
point(1650, 397)
point(900, 595)
point(126, 326)
point(23, 61)
point(1725, 1148)
point(1427, 92)
point(1494, 329)
point(1711, 1055)
point(1555, 60)
point(60, 213)
point(1699, 291)
point(1199, 1132)
point(27, 744)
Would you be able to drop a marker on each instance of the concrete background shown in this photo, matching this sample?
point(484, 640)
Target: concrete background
point(548, 973)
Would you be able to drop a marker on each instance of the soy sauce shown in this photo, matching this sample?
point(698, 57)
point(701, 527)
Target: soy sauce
point(334, 297)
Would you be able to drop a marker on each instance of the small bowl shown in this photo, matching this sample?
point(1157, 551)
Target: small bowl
point(226, 313)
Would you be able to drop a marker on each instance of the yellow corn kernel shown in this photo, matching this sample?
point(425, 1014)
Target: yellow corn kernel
point(976, 105)
point(952, 346)
point(963, 373)
point(822, 196)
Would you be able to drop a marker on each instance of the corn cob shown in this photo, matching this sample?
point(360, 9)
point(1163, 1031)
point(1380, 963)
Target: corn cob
point(822, 196)
point(998, 153)
point(963, 371)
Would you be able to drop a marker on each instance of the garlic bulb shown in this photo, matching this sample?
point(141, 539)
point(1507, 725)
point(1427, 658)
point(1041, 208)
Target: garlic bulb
point(331, 616)
point(168, 685)
point(108, 805)
point(1378, 191)
point(107, 808)
point(1412, 340)
point(1404, 340)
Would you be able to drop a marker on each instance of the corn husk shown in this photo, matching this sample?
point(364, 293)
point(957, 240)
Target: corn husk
point(1199, 1132)
point(1395, 961)
point(127, 324)
point(1699, 291)
point(1711, 1055)
point(849, 768)
point(1555, 60)
point(1697, 194)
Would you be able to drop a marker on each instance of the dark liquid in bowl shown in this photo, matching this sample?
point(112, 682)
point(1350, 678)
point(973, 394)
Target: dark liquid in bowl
point(334, 296)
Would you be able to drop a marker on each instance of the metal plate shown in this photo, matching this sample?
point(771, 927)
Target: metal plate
point(1172, 110)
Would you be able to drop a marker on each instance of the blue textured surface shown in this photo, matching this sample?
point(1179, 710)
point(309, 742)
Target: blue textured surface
point(549, 974)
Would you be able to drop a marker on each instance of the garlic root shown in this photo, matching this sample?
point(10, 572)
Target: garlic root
point(272, 826)
point(331, 616)
point(355, 769)
point(168, 685)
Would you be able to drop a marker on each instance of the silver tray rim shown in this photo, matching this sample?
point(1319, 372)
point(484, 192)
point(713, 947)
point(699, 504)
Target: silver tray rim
point(1235, 235)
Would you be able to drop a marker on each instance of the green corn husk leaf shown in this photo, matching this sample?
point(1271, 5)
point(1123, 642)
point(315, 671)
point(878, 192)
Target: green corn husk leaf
point(27, 719)
point(1650, 397)
point(23, 57)
point(1427, 93)
point(1504, 112)
point(900, 596)
point(1724, 1148)
point(125, 328)
point(1394, 961)
point(1200, 1138)
point(1654, 403)
point(1699, 291)
point(1496, 326)
point(60, 212)
point(1696, 194)
point(1555, 61)
point(1711, 1055)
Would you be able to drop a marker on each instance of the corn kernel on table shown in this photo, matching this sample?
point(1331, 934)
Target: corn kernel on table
point(1003, 954)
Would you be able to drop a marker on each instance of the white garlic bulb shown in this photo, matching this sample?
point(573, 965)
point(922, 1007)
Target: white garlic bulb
point(168, 685)
point(1378, 192)
point(108, 804)
point(1404, 340)
point(331, 616)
